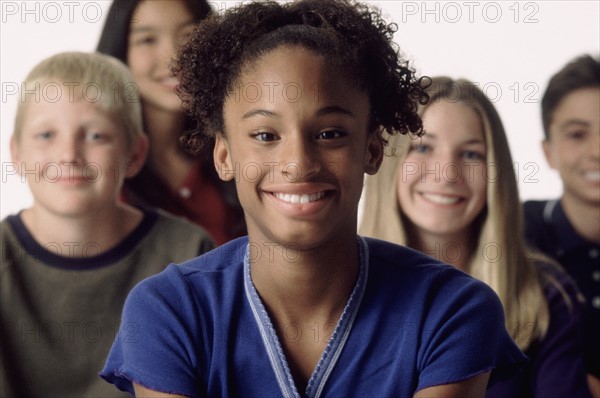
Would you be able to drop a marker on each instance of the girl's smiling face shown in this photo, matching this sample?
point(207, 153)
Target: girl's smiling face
point(157, 29)
point(297, 142)
point(442, 182)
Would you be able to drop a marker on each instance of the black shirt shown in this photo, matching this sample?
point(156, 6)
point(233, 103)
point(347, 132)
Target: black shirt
point(548, 228)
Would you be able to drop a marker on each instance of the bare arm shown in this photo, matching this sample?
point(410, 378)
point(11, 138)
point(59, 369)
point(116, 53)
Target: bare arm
point(143, 392)
point(473, 387)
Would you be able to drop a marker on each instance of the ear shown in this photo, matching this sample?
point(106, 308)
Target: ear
point(15, 154)
point(374, 152)
point(139, 152)
point(222, 158)
point(547, 147)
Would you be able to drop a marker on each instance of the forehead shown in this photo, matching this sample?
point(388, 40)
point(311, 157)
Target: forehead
point(582, 104)
point(159, 13)
point(445, 119)
point(295, 74)
point(67, 109)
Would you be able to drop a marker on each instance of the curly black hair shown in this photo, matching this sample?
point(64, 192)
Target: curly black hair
point(351, 35)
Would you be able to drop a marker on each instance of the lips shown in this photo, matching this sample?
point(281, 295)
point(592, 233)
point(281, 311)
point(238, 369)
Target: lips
point(75, 180)
point(300, 201)
point(592, 176)
point(441, 199)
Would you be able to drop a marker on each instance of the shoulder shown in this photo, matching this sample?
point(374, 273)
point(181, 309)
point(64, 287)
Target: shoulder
point(533, 211)
point(535, 226)
point(170, 223)
point(176, 234)
point(450, 313)
point(10, 225)
point(212, 280)
point(14, 237)
point(414, 268)
point(5, 226)
point(428, 288)
point(560, 289)
point(225, 261)
point(10, 244)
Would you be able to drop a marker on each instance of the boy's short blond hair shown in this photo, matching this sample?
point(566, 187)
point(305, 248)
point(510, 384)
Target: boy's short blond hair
point(93, 77)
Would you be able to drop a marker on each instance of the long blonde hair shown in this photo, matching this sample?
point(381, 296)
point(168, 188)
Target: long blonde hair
point(499, 258)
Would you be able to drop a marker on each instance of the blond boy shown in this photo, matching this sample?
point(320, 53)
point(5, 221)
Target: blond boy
point(71, 258)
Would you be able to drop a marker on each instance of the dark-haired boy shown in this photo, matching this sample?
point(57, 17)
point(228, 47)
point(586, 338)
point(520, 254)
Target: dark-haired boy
point(568, 229)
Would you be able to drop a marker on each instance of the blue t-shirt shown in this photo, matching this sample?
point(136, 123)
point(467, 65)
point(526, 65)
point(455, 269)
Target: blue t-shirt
point(199, 329)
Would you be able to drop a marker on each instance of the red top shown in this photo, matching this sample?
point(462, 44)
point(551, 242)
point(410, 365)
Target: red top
point(199, 200)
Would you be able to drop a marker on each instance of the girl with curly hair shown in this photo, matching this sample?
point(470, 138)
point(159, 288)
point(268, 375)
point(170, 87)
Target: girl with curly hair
point(452, 194)
point(145, 35)
point(297, 97)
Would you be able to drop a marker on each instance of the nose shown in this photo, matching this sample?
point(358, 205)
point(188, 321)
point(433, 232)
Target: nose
point(167, 50)
point(443, 167)
point(300, 158)
point(70, 151)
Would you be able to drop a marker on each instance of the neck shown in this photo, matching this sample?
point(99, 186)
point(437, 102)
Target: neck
point(305, 293)
point(82, 236)
point(166, 156)
point(300, 286)
point(454, 249)
point(584, 216)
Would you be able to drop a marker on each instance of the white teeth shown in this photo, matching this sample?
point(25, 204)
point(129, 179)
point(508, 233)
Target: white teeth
point(441, 199)
point(302, 199)
point(592, 175)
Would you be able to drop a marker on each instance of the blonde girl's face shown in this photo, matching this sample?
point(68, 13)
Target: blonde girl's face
point(157, 30)
point(442, 181)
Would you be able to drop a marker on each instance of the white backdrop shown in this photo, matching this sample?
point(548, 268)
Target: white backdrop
point(509, 48)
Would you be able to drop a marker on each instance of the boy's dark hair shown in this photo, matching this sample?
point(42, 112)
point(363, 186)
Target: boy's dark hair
point(352, 37)
point(582, 72)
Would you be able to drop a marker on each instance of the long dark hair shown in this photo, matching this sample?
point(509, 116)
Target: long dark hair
point(147, 189)
point(115, 34)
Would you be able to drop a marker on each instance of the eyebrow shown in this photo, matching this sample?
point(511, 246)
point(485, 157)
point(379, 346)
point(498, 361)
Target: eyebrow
point(321, 112)
point(334, 109)
point(574, 122)
point(468, 142)
point(259, 112)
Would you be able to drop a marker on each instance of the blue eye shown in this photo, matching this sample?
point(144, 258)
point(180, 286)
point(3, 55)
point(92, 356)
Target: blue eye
point(331, 134)
point(473, 155)
point(420, 148)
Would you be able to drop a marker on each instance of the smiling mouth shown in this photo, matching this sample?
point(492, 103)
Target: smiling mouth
point(593, 176)
point(441, 199)
point(299, 199)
